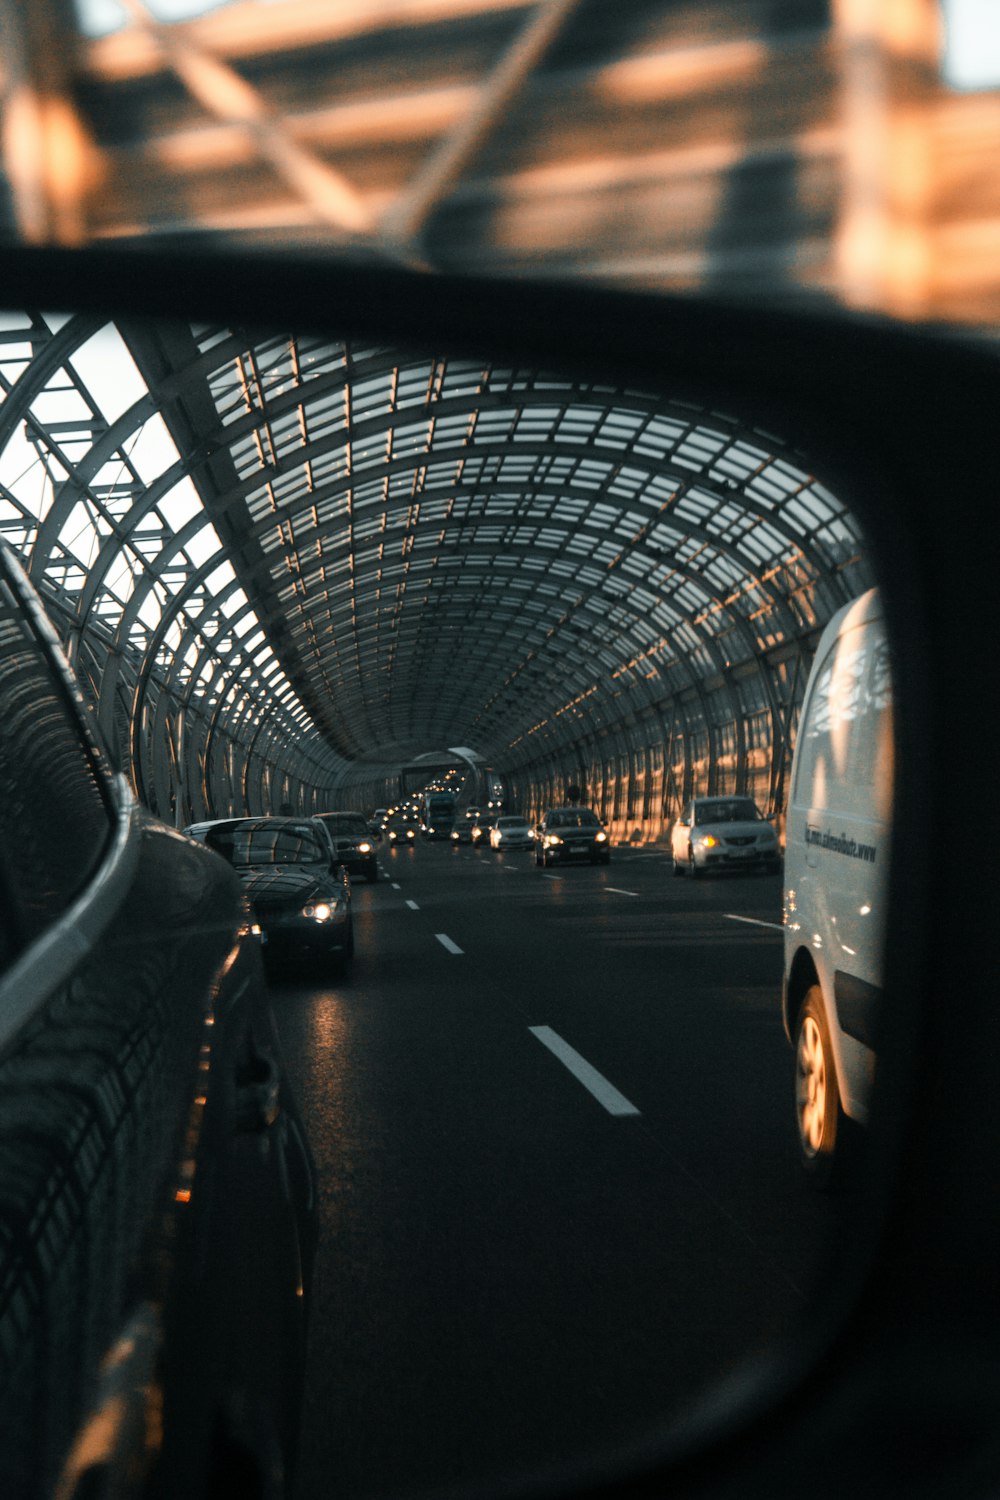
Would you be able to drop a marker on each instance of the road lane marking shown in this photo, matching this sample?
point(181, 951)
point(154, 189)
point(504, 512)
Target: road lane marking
point(446, 942)
point(754, 921)
point(413, 906)
point(552, 877)
point(619, 892)
point(604, 1092)
point(395, 886)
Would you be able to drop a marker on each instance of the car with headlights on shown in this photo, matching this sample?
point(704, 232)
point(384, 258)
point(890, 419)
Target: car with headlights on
point(299, 893)
point(482, 826)
point(401, 830)
point(723, 833)
point(353, 842)
point(511, 832)
point(567, 833)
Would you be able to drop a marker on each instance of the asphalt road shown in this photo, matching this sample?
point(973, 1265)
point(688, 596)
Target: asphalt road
point(523, 1262)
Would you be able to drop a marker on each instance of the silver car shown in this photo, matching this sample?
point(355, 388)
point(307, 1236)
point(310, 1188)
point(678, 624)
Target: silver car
point(723, 833)
point(511, 832)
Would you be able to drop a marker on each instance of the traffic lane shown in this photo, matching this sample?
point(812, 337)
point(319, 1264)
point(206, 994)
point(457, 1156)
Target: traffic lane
point(673, 993)
point(502, 1263)
point(476, 1197)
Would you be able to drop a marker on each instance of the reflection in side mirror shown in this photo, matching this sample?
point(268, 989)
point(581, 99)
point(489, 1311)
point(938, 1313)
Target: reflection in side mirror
point(602, 594)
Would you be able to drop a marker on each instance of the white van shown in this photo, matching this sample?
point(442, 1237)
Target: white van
point(836, 869)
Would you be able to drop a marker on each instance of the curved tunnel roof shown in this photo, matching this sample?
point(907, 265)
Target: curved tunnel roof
point(382, 553)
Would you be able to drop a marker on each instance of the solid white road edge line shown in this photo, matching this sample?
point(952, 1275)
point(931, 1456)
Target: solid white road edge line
point(754, 921)
point(604, 1092)
point(446, 942)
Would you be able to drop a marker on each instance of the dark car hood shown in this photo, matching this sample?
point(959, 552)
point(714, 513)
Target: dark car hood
point(283, 885)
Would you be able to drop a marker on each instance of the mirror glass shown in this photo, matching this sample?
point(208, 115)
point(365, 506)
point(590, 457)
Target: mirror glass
point(576, 1108)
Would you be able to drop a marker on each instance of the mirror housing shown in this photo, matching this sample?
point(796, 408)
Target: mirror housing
point(904, 421)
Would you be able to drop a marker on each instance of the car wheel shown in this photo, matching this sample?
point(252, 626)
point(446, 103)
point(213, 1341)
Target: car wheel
point(371, 874)
point(822, 1124)
point(605, 859)
point(696, 871)
point(678, 867)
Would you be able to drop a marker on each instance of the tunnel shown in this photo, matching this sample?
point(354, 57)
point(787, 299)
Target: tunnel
point(287, 567)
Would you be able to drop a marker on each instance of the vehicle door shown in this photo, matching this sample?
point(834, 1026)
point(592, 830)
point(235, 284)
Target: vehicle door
point(138, 1078)
point(680, 834)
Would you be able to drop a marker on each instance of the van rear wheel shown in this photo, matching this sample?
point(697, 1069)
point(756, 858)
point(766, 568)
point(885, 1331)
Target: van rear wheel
point(820, 1118)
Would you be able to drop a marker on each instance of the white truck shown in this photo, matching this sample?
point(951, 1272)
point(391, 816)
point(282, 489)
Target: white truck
point(837, 849)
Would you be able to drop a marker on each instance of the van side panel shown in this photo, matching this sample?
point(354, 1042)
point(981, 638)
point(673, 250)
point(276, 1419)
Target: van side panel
point(837, 840)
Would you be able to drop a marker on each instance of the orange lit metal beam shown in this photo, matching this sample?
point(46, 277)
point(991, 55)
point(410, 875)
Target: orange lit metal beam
point(48, 158)
point(223, 93)
point(404, 220)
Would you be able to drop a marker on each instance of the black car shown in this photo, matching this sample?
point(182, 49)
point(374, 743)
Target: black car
point(479, 834)
point(567, 833)
point(401, 830)
point(155, 1178)
point(299, 894)
point(353, 842)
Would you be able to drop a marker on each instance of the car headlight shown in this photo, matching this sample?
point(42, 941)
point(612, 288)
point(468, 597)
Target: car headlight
point(364, 848)
point(601, 837)
point(708, 841)
point(319, 911)
point(551, 838)
point(409, 833)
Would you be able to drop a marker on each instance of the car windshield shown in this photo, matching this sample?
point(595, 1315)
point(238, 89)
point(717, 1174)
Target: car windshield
point(728, 810)
point(573, 817)
point(344, 823)
point(268, 844)
point(511, 823)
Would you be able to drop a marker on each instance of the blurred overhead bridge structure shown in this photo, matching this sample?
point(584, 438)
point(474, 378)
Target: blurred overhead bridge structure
point(783, 149)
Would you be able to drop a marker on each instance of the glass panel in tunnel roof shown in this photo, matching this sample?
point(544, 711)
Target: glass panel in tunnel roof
point(379, 485)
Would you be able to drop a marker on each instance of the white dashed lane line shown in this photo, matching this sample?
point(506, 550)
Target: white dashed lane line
point(413, 906)
point(395, 886)
point(446, 942)
point(595, 1083)
point(619, 892)
point(754, 921)
point(552, 877)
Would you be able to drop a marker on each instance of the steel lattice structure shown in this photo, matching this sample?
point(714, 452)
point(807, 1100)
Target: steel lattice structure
point(289, 565)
